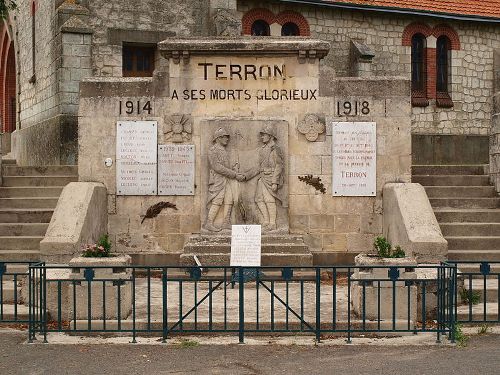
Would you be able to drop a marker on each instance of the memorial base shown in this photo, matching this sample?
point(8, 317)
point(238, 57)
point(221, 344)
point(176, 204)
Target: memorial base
point(277, 250)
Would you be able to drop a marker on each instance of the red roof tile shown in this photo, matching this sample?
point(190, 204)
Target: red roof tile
point(481, 8)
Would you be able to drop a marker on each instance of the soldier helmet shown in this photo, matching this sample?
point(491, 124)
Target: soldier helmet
point(220, 132)
point(268, 129)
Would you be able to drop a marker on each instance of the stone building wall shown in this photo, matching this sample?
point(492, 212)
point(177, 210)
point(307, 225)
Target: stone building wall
point(144, 22)
point(472, 65)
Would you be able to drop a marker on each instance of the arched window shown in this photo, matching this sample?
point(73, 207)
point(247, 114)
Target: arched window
point(418, 69)
point(290, 29)
point(442, 63)
point(260, 28)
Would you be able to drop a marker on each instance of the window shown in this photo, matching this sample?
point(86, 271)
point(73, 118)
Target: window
point(260, 28)
point(290, 29)
point(418, 68)
point(138, 61)
point(443, 55)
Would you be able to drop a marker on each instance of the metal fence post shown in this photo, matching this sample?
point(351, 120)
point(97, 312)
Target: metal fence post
point(241, 298)
point(318, 304)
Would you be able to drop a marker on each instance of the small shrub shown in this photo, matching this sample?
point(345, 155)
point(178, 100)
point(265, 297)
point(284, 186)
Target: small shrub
point(188, 344)
point(483, 329)
point(101, 249)
point(460, 337)
point(384, 249)
point(470, 297)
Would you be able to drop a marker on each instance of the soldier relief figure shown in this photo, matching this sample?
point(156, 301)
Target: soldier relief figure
point(223, 187)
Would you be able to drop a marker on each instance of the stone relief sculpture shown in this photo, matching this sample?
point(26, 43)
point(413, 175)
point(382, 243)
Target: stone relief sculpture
point(178, 128)
point(221, 190)
point(227, 23)
point(311, 127)
point(244, 177)
point(270, 177)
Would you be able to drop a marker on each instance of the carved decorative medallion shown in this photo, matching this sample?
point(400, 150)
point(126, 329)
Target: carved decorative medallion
point(311, 126)
point(178, 128)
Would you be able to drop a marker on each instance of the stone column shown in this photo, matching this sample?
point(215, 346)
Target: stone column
point(225, 20)
point(495, 143)
point(361, 59)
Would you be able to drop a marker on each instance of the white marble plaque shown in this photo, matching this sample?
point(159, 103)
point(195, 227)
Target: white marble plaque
point(136, 157)
point(246, 245)
point(176, 169)
point(354, 159)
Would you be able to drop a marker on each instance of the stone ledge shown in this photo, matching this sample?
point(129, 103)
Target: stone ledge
point(313, 48)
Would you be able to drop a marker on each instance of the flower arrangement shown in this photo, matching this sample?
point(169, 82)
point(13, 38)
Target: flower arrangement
point(101, 249)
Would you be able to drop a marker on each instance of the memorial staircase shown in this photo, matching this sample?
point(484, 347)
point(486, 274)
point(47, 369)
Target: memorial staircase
point(28, 197)
point(467, 208)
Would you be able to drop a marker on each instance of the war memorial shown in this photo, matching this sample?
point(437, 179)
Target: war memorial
point(223, 147)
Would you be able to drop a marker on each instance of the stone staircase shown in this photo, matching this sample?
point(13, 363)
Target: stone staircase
point(466, 207)
point(28, 198)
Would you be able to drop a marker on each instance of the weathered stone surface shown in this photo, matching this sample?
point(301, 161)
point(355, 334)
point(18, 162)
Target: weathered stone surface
point(409, 221)
point(79, 218)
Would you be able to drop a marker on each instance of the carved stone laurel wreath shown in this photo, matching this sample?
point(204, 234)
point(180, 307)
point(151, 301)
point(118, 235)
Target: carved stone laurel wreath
point(311, 126)
point(179, 128)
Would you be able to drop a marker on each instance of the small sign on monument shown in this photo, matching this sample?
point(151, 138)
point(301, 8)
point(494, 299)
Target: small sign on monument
point(246, 243)
point(176, 169)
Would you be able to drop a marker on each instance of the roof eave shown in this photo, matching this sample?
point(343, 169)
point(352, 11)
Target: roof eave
point(416, 12)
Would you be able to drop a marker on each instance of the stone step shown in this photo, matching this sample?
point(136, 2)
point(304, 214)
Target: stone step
point(19, 255)
point(463, 312)
point(38, 180)
point(28, 202)
point(31, 192)
point(279, 260)
point(38, 215)
point(470, 229)
point(478, 288)
point(8, 161)
point(465, 202)
point(282, 248)
point(467, 215)
point(209, 240)
point(451, 180)
point(23, 229)
point(12, 293)
point(21, 242)
point(476, 255)
point(22, 271)
point(476, 169)
point(460, 191)
point(52, 170)
point(473, 242)
point(13, 313)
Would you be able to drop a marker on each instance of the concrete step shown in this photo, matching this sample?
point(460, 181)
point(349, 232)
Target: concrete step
point(460, 191)
point(21, 242)
point(16, 215)
point(28, 202)
point(283, 248)
point(450, 215)
point(22, 271)
point(478, 288)
point(465, 202)
point(470, 229)
point(19, 255)
point(451, 180)
point(31, 192)
point(477, 169)
point(463, 312)
point(12, 293)
point(473, 243)
point(13, 313)
point(476, 255)
point(38, 180)
point(53, 170)
point(279, 260)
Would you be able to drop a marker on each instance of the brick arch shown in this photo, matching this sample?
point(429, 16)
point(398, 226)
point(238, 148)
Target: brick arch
point(452, 35)
point(254, 15)
point(296, 18)
point(8, 99)
point(415, 28)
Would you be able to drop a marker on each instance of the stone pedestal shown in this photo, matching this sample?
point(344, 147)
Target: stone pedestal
point(404, 268)
point(277, 250)
point(108, 286)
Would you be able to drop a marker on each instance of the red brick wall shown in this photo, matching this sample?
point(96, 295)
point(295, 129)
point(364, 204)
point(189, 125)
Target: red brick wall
point(266, 15)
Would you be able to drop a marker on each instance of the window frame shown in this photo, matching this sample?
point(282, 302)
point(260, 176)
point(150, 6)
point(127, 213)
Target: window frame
point(443, 72)
point(262, 23)
point(419, 84)
point(147, 50)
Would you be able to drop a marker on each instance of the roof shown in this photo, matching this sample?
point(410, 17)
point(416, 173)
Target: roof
point(486, 10)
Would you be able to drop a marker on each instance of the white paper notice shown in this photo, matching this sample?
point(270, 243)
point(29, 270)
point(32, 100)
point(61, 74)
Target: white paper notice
point(176, 169)
point(246, 245)
point(136, 157)
point(354, 159)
